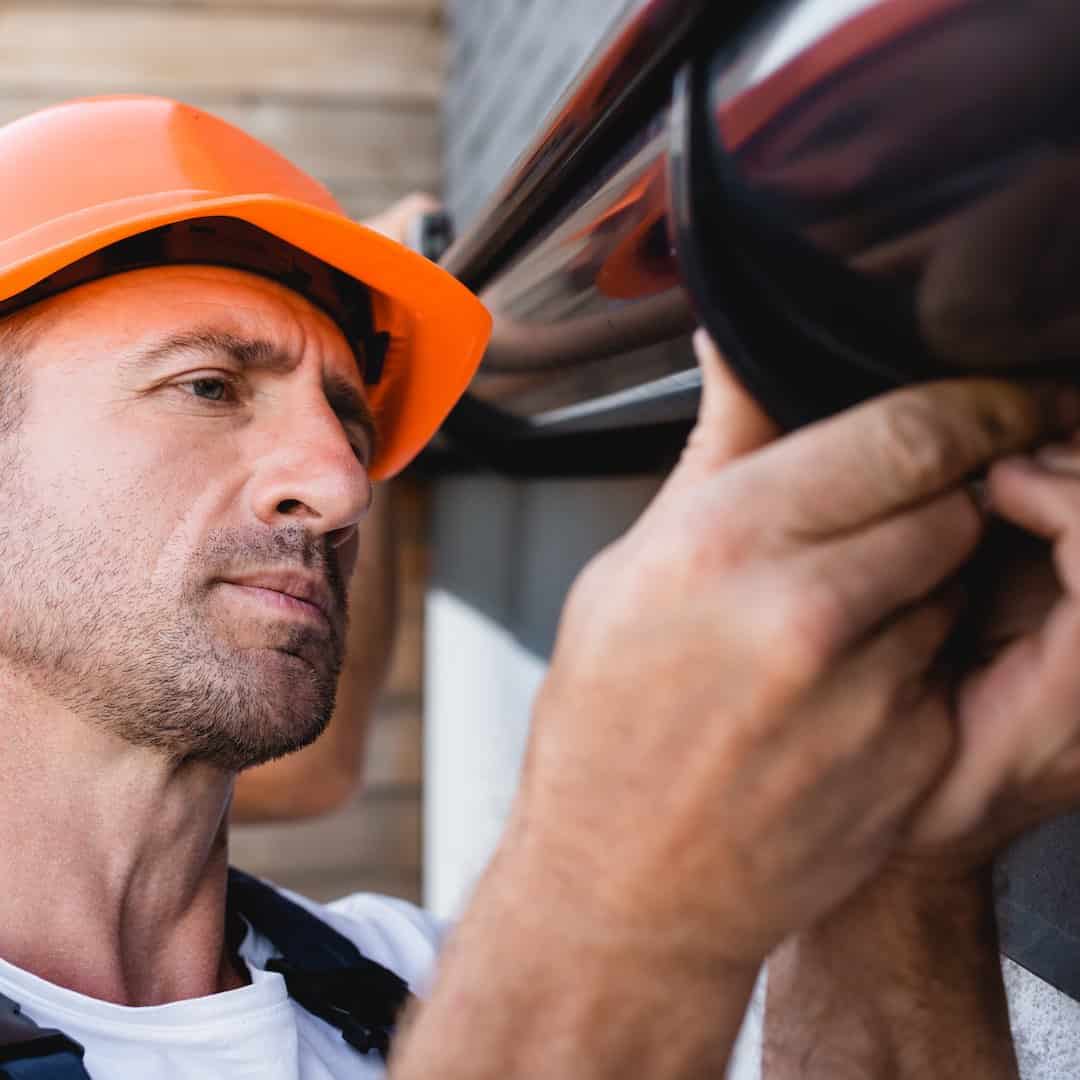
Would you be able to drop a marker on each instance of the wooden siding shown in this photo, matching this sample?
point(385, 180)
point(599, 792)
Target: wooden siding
point(73, 48)
point(348, 89)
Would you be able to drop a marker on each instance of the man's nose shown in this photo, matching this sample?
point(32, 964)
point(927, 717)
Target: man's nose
point(310, 474)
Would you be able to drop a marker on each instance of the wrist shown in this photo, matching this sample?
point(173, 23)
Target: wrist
point(628, 897)
point(902, 980)
point(538, 981)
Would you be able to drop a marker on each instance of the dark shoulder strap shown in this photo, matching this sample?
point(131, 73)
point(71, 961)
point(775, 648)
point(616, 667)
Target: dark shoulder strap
point(324, 971)
point(29, 1052)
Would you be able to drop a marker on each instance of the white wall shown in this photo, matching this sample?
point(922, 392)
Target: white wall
point(504, 554)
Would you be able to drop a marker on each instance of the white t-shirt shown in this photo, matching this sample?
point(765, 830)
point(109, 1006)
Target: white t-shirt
point(254, 1033)
point(259, 1033)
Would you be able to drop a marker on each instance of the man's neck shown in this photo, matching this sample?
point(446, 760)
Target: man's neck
point(114, 860)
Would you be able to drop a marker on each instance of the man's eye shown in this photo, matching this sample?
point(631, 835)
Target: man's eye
point(209, 389)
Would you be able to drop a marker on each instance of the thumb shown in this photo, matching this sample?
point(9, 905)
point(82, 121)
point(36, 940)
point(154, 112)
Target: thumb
point(730, 422)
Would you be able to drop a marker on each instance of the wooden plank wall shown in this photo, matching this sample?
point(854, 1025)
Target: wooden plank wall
point(350, 90)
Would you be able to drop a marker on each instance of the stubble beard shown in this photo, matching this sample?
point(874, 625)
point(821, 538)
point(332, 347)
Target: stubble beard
point(145, 660)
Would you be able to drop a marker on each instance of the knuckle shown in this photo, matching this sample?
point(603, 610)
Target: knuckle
point(720, 551)
point(712, 540)
point(806, 630)
point(946, 429)
point(916, 448)
point(1007, 420)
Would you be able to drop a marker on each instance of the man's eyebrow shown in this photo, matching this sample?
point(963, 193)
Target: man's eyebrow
point(257, 354)
point(246, 353)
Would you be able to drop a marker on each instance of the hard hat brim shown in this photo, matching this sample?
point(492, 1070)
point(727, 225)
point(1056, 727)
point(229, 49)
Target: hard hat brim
point(438, 329)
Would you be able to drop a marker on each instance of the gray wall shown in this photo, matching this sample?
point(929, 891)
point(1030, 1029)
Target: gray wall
point(503, 556)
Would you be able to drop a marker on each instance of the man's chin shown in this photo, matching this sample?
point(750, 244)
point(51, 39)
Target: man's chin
point(267, 731)
point(263, 705)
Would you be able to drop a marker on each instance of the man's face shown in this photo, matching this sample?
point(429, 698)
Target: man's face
point(179, 508)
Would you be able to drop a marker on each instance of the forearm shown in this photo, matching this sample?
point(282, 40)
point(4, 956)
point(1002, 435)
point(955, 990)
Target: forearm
point(903, 981)
point(530, 985)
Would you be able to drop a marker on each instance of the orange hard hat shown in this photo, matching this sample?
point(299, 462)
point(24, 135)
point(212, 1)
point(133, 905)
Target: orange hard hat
point(102, 185)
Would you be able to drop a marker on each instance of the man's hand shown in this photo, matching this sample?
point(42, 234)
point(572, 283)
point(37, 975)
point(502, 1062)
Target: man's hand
point(904, 979)
point(753, 665)
point(740, 720)
point(1018, 756)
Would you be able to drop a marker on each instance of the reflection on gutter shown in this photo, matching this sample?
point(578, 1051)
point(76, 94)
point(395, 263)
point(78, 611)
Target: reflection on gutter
point(527, 348)
point(574, 260)
point(635, 62)
point(662, 401)
point(817, 165)
point(576, 314)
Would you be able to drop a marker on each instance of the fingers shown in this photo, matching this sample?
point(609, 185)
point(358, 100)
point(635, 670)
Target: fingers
point(1042, 675)
point(899, 561)
point(1040, 493)
point(904, 448)
point(730, 422)
point(890, 718)
point(1019, 717)
point(902, 653)
point(999, 737)
point(883, 733)
point(395, 220)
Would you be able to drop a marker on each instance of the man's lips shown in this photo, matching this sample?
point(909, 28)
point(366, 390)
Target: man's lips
point(287, 591)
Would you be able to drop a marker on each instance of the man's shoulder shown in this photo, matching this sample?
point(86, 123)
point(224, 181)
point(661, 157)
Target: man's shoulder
point(391, 931)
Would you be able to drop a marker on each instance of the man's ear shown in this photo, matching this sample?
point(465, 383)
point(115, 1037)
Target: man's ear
point(730, 422)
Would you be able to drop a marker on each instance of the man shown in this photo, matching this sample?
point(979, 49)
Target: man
point(237, 590)
point(744, 718)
